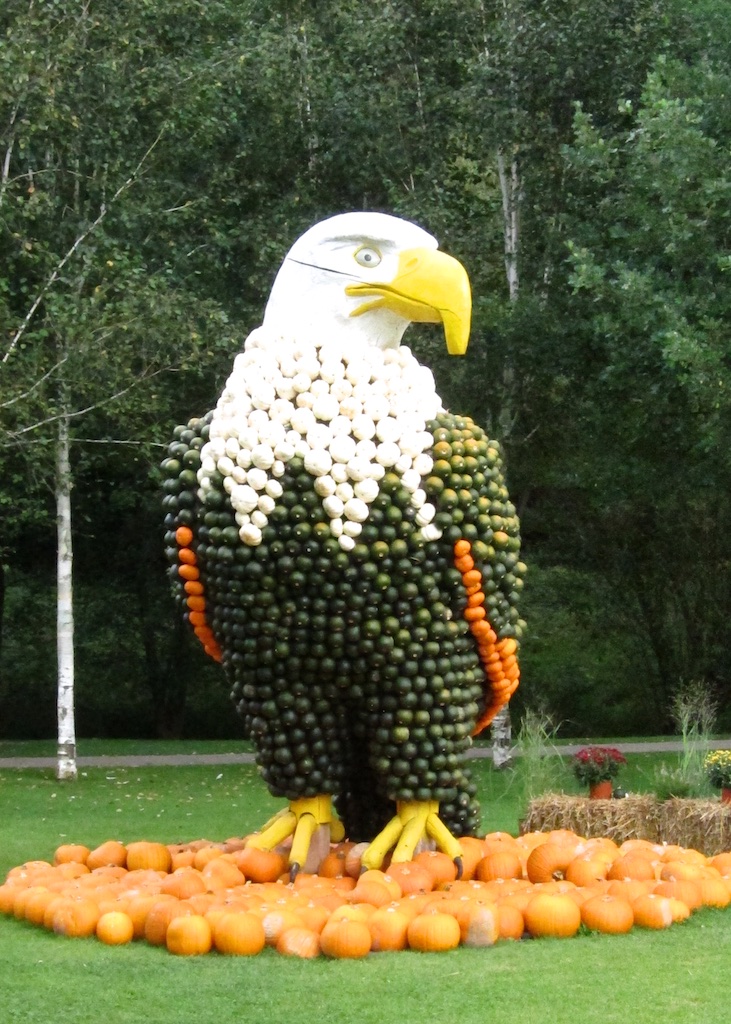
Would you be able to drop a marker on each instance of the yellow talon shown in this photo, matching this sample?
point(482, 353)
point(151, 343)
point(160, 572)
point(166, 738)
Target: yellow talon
point(414, 820)
point(306, 827)
point(275, 831)
point(386, 838)
point(438, 831)
point(414, 815)
point(337, 831)
point(301, 820)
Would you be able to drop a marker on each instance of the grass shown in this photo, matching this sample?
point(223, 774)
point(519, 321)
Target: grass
point(642, 977)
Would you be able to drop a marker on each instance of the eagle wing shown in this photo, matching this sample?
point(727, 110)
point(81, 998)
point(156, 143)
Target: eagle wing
point(482, 534)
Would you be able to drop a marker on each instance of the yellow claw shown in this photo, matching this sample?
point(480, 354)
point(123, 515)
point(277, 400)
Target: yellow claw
point(438, 831)
point(337, 831)
point(303, 833)
point(276, 830)
point(301, 820)
point(386, 838)
point(414, 820)
point(414, 815)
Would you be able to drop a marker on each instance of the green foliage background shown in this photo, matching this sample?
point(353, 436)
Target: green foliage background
point(156, 162)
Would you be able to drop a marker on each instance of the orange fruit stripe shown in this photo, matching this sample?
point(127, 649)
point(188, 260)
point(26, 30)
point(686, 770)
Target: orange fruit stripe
point(498, 657)
point(195, 593)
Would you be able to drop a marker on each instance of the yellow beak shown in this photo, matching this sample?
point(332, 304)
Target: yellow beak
point(429, 287)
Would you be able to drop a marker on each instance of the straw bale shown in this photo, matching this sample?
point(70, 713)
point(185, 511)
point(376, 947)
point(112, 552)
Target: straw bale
point(703, 825)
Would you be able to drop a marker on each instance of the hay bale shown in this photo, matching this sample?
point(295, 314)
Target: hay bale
point(703, 825)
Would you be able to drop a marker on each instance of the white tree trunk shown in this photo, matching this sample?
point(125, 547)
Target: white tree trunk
point(501, 733)
point(66, 764)
point(512, 194)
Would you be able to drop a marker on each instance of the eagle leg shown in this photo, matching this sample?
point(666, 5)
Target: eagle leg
point(301, 820)
point(414, 820)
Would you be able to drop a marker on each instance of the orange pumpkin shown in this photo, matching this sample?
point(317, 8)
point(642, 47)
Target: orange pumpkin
point(299, 942)
point(8, 895)
point(222, 873)
point(353, 859)
point(642, 847)
point(352, 912)
point(371, 891)
point(138, 907)
point(115, 928)
point(51, 909)
point(384, 878)
point(189, 936)
point(159, 918)
point(653, 911)
point(473, 850)
point(183, 883)
point(260, 865)
point(630, 889)
point(388, 926)
point(313, 916)
point(71, 869)
point(636, 867)
point(76, 918)
point(23, 896)
point(333, 864)
point(71, 853)
point(144, 856)
point(586, 871)
point(277, 921)
point(239, 934)
point(29, 872)
point(549, 861)
point(714, 892)
point(414, 903)
point(345, 939)
point(110, 853)
point(36, 904)
point(503, 864)
point(433, 933)
point(722, 863)
point(480, 926)
point(685, 890)
point(680, 870)
point(607, 914)
point(510, 921)
point(411, 877)
point(181, 859)
point(440, 866)
point(552, 914)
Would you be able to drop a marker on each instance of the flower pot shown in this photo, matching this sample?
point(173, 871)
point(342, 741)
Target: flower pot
point(601, 790)
point(725, 795)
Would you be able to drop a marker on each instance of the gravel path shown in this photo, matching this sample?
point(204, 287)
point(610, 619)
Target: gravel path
point(179, 760)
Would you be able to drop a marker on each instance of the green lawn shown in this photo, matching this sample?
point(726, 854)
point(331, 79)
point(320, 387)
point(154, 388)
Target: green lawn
point(674, 976)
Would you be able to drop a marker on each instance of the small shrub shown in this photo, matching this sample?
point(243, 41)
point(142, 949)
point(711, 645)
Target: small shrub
point(694, 712)
point(538, 768)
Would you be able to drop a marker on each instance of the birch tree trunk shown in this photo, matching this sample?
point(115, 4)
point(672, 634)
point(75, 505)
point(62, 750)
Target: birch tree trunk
point(66, 753)
point(501, 732)
point(510, 191)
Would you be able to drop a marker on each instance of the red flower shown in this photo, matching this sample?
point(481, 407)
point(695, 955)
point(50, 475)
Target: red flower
point(597, 764)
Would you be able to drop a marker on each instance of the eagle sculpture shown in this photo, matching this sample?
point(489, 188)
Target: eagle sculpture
point(347, 549)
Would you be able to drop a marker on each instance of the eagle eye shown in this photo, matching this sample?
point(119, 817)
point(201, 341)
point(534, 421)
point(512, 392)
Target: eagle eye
point(367, 256)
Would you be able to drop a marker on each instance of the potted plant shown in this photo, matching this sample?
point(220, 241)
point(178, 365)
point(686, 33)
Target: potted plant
point(717, 765)
point(596, 767)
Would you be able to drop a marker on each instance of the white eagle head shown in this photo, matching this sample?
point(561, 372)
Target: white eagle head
point(363, 278)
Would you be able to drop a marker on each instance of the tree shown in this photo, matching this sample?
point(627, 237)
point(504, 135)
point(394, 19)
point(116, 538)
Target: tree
point(649, 272)
point(90, 322)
